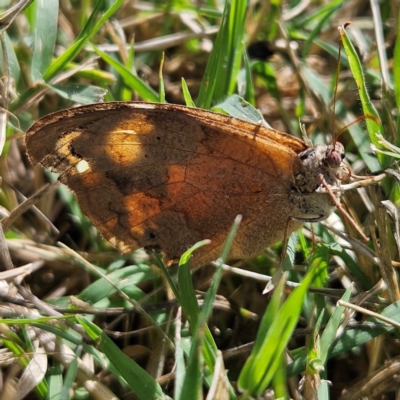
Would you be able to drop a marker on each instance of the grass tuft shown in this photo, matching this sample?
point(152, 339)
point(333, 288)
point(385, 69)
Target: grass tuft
point(103, 325)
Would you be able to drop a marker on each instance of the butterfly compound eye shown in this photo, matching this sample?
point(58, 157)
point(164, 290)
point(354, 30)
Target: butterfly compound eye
point(334, 156)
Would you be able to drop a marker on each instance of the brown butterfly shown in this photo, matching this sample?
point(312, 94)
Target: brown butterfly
point(163, 176)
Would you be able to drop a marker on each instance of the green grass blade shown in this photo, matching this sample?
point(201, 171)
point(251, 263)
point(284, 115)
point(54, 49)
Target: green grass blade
point(124, 279)
point(45, 37)
point(286, 264)
point(229, 240)
point(223, 66)
point(253, 371)
point(130, 79)
point(262, 365)
point(396, 74)
point(374, 124)
point(329, 334)
point(161, 90)
point(279, 383)
point(88, 31)
point(186, 94)
point(267, 74)
point(141, 383)
point(190, 305)
point(55, 381)
point(198, 320)
point(354, 337)
point(70, 376)
point(238, 107)
point(249, 93)
point(180, 371)
point(269, 315)
point(314, 364)
point(354, 268)
point(83, 94)
point(357, 337)
point(168, 278)
point(312, 18)
point(322, 20)
point(320, 260)
point(14, 69)
point(192, 384)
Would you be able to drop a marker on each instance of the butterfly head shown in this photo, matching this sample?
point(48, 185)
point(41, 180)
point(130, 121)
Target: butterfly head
point(334, 155)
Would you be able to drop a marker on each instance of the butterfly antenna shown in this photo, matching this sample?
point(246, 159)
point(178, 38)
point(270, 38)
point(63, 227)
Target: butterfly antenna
point(356, 121)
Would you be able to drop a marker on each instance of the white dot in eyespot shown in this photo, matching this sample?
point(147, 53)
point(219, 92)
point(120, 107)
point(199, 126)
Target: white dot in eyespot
point(82, 166)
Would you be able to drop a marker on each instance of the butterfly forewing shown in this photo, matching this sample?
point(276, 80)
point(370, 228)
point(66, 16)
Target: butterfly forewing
point(166, 176)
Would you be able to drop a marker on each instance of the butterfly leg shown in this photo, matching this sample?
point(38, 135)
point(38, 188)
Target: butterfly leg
point(341, 209)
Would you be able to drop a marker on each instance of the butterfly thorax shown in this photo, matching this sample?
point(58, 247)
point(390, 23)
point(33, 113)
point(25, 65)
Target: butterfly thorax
point(319, 164)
